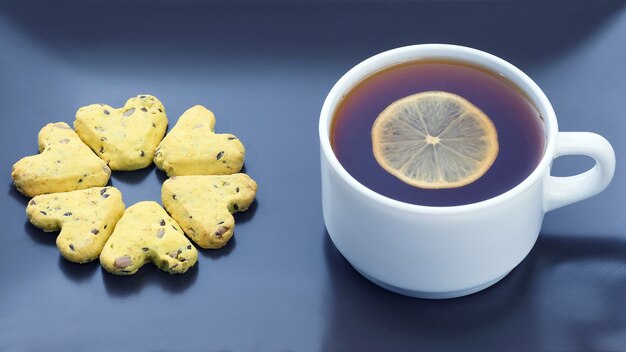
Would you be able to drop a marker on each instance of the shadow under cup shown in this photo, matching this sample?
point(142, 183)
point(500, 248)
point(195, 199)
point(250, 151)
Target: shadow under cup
point(463, 243)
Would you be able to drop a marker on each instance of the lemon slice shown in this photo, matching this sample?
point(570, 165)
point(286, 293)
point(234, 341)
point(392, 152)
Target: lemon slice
point(434, 140)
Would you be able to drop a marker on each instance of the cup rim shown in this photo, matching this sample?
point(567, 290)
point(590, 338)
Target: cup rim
point(440, 51)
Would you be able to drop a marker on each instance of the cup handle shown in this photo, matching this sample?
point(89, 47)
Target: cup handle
point(561, 191)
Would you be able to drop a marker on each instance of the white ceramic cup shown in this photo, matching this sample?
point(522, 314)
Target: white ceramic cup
point(445, 252)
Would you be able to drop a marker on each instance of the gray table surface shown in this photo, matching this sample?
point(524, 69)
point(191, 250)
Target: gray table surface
point(280, 285)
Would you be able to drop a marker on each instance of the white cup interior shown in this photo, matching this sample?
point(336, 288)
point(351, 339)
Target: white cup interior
point(442, 52)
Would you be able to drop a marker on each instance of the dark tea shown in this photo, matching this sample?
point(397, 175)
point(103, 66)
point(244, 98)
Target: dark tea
point(519, 126)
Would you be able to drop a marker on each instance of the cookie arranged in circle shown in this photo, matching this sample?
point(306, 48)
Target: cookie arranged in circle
point(145, 233)
point(126, 137)
point(203, 205)
point(193, 148)
point(64, 164)
point(86, 219)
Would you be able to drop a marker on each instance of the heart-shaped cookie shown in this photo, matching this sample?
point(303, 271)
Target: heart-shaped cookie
point(202, 205)
point(146, 233)
point(85, 217)
point(193, 148)
point(126, 137)
point(64, 164)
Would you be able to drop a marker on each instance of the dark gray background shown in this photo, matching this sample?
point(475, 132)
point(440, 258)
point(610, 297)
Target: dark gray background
point(280, 285)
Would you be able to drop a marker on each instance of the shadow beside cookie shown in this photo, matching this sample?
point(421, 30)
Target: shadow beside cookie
point(13, 193)
point(124, 286)
point(245, 216)
point(131, 177)
point(221, 252)
point(78, 272)
point(40, 236)
point(161, 175)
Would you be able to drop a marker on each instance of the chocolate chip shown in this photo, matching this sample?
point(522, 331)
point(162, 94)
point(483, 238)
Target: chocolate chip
point(160, 233)
point(153, 124)
point(69, 213)
point(128, 112)
point(72, 247)
point(106, 112)
point(189, 246)
point(182, 260)
point(106, 195)
point(162, 223)
point(95, 231)
point(236, 207)
point(173, 266)
point(232, 138)
point(160, 110)
point(32, 202)
point(102, 191)
point(43, 212)
point(237, 189)
point(145, 249)
point(143, 154)
point(219, 155)
point(221, 231)
point(80, 180)
point(123, 262)
point(221, 222)
point(105, 226)
point(144, 109)
point(142, 97)
point(173, 196)
point(102, 149)
point(174, 227)
point(191, 216)
point(103, 139)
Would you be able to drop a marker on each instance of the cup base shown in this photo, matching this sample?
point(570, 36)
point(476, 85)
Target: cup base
point(432, 295)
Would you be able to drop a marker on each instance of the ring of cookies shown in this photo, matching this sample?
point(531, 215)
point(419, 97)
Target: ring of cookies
point(67, 183)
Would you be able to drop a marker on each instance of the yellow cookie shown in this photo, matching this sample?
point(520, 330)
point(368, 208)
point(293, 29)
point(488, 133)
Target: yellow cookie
point(202, 205)
point(193, 148)
point(64, 164)
point(126, 137)
point(146, 233)
point(86, 219)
